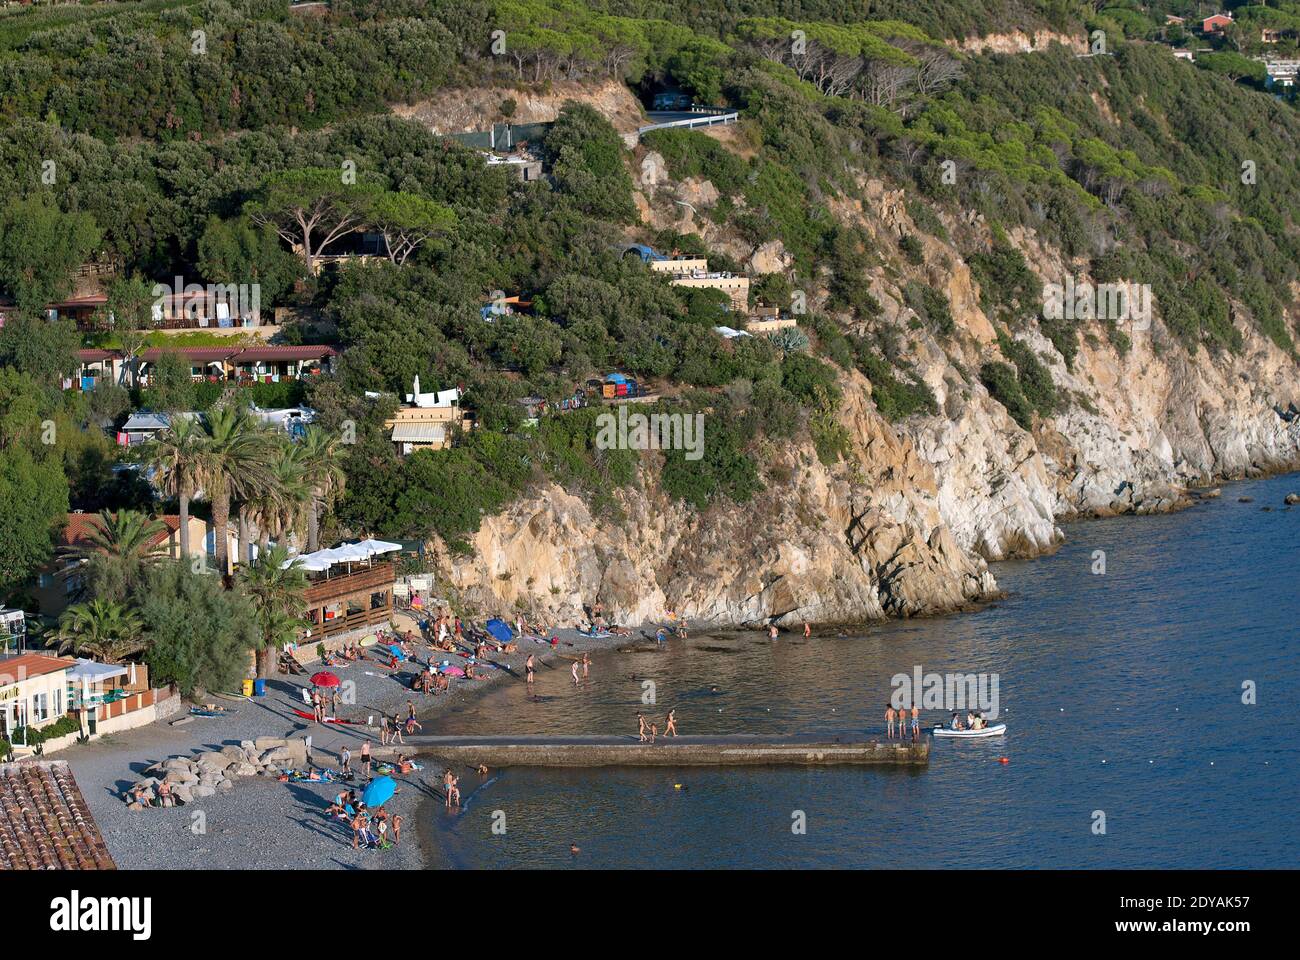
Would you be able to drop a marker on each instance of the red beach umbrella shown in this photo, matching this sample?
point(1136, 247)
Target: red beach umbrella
point(324, 679)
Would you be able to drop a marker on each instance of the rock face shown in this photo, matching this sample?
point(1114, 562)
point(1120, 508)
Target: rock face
point(906, 523)
point(849, 544)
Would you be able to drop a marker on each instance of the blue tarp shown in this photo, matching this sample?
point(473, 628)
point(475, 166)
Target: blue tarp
point(615, 378)
point(499, 630)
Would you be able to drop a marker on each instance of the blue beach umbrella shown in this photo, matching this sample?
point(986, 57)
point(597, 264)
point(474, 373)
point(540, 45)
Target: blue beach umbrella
point(379, 792)
point(499, 630)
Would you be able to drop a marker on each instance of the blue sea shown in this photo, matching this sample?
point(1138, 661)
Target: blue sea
point(1128, 742)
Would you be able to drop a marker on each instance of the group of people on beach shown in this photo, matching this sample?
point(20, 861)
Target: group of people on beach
point(370, 829)
point(648, 731)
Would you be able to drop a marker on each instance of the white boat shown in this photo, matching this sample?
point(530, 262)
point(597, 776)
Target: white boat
point(994, 731)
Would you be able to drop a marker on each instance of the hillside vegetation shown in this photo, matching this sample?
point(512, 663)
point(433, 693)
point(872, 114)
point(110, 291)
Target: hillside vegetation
point(120, 138)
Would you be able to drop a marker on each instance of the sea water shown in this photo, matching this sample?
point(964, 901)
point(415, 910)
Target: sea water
point(1131, 741)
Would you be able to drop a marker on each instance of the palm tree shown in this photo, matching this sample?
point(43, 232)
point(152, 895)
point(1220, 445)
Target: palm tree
point(117, 551)
point(179, 457)
point(321, 459)
point(234, 468)
point(277, 507)
point(276, 590)
point(103, 629)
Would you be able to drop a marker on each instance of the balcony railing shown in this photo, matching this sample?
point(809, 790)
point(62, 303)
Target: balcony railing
point(379, 576)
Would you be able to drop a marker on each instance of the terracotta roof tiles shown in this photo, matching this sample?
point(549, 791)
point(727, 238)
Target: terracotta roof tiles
point(44, 821)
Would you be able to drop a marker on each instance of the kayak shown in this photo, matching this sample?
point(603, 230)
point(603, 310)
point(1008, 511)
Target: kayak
point(994, 731)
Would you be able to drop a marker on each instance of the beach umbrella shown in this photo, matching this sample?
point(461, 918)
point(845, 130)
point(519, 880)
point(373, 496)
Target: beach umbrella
point(324, 679)
point(499, 630)
point(379, 792)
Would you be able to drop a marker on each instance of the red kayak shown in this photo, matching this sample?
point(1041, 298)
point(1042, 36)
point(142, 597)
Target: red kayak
point(307, 716)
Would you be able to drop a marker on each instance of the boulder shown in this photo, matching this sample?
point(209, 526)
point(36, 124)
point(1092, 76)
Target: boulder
point(268, 743)
point(182, 793)
point(202, 791)
point(232, 752)
point(242, 770)
point(225, 785)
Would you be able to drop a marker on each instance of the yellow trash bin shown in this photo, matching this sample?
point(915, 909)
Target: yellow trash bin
point(248, 688)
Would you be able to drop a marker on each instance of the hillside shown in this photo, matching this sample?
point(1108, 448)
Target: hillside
point(910, 185)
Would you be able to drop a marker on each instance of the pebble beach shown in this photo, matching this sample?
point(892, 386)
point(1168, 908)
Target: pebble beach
point(262, 823)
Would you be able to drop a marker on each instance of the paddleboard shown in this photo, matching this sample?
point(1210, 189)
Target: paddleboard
point(369, 641)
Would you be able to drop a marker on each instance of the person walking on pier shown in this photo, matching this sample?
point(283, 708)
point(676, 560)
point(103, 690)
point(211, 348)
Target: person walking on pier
point(671, 728)
point(643, 726)
point(889, 722)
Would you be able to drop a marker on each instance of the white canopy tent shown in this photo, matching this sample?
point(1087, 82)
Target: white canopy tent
point(323, 560)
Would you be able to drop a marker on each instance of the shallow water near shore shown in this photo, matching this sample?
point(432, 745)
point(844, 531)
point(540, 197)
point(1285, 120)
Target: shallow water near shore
point(1122, 694)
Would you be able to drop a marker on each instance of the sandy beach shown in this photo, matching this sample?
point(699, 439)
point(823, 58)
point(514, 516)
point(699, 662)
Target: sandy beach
point(265, 824)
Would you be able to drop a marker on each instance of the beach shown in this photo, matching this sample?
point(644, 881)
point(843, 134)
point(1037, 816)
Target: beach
point(264, 824)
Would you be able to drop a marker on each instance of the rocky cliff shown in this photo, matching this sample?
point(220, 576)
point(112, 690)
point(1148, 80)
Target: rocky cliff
point(905, 524)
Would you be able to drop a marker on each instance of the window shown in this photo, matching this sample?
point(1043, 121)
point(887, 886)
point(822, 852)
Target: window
point(44, 580)
point(40, 707)
point(58, 702)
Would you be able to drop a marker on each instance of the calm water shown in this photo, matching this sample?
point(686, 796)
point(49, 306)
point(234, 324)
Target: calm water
point(1122, 693)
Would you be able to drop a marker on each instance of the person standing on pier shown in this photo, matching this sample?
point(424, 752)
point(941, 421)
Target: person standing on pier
point(916, 723)
point(889, 722)
point(640, 719)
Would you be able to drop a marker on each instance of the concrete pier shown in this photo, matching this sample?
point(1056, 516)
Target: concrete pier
point(625, 751)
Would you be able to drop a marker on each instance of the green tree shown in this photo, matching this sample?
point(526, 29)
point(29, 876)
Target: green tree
point(33, 487)
point(44, 349)
point(321, 456)
point(41, 247)
point(406, 221)
point(179, 459)
point(101, 629)
point(200, 634)
point(275, 588)
point(311, 208)
point(235, 465)
point(116, 553)
point(240, 251)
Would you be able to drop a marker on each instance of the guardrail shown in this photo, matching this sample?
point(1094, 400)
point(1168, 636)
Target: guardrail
point(702, 120)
